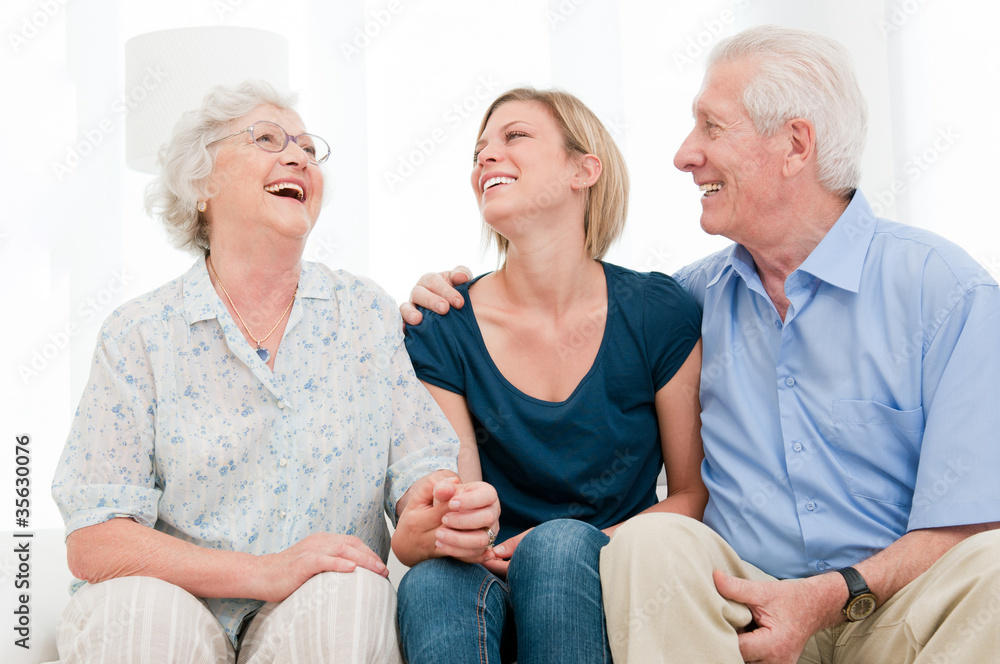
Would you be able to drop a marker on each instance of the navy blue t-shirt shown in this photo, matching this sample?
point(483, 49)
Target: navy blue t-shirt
point(596, 455)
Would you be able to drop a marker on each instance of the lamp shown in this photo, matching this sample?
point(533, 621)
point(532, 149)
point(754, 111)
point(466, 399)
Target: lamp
point(169, 71)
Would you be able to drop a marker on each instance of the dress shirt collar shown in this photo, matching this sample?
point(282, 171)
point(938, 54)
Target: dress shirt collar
point(838, 259)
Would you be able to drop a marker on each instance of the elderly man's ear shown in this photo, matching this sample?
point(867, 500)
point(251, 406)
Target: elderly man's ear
point(801, 146)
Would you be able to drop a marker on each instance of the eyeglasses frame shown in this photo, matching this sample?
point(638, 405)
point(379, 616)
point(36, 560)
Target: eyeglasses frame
point(288, 137)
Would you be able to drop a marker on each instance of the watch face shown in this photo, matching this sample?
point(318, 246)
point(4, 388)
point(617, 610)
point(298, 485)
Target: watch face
point(861, 607)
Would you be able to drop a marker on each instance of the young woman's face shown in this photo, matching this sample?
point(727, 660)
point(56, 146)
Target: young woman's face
point(521, 168)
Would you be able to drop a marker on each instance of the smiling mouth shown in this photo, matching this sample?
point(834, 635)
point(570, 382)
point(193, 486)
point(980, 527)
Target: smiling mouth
point(710, 188)
point(492, 182)
point(286, 190)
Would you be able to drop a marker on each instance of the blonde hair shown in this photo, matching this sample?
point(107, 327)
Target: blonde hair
point(583, 133)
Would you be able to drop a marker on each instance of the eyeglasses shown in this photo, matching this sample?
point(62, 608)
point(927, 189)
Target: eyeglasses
point(270, 137)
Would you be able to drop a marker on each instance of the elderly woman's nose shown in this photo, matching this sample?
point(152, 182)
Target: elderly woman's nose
point(294, 154)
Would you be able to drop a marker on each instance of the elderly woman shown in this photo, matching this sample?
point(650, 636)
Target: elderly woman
point(245, 425)
point(570, 382)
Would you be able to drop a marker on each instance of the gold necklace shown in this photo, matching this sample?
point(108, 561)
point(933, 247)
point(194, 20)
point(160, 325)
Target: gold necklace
point(261, 352)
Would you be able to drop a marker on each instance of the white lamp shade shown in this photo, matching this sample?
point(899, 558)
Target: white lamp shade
point(169, 71)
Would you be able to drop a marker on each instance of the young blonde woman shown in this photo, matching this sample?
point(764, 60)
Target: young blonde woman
point(569, 381)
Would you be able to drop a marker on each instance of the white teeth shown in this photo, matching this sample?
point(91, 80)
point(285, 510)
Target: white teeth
point(710, 187)
point(275, 188)
point(498, 180)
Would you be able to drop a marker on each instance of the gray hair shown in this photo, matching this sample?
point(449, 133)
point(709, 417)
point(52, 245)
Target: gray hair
point(803, 74)
point(186, 163)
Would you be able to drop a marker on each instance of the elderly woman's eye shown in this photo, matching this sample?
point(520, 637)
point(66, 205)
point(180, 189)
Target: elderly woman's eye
point(307, 144)
point(266, 138)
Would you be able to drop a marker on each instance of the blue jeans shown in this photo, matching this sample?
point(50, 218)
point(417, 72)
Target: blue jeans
point(549, 610)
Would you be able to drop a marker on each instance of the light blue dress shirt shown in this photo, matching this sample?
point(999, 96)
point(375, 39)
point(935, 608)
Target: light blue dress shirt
point(183, 428)
point(871, 410)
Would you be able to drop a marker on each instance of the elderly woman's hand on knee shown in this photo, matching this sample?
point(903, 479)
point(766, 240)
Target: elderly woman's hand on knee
point(278, 575)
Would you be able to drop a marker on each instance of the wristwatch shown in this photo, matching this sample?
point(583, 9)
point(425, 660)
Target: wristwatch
point(861, 602)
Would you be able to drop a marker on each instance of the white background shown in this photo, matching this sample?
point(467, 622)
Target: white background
point(379, 80)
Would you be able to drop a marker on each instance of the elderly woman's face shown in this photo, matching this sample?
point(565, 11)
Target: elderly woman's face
point(259, 194)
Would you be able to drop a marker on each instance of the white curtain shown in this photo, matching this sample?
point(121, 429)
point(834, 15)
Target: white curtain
point(398, 87)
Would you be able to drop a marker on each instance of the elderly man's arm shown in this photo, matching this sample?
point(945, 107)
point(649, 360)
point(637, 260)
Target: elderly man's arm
point(788, 612)
point(121, 547)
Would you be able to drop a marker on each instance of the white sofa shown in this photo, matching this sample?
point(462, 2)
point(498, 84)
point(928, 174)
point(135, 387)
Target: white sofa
point(48, 593)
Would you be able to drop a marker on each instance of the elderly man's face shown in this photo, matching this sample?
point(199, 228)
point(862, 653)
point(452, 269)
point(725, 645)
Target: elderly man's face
point(738, 170)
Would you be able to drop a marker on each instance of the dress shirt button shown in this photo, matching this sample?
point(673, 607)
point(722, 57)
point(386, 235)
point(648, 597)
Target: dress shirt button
point(283, 463)
point(777, 323)
point(821, 566)
point(789, 381)
point(810, 506)
point(797, 446)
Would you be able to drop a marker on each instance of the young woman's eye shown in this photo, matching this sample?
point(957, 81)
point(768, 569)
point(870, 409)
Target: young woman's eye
point(475, 157)
point(514, 134)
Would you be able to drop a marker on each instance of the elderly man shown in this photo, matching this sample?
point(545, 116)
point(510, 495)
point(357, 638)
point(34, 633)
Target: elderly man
point(849, 386)
point(849, 393)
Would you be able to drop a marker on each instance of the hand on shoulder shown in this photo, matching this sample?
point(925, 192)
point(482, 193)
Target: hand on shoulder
point(435, 291)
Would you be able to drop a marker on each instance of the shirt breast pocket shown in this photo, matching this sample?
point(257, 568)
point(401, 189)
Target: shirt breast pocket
point(879, 447)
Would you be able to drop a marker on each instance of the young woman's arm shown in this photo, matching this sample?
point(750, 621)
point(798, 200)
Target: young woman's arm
point(435, 529)
point(678, 410)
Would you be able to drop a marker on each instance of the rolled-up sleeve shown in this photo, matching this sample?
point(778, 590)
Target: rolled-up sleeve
point(106, 468)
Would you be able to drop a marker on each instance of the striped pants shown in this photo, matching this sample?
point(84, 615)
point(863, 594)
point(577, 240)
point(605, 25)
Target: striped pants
point(332, 617)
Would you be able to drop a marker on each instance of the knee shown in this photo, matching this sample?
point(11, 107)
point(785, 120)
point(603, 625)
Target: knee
point(977, 555)
point(129, 610)
point(427, 579)
point(445, 597)
point(563, 538)
point(558, 546)
point(649, 533)
point(441, 585)
point(122, 600)
point(353, 613)
point(364, 585)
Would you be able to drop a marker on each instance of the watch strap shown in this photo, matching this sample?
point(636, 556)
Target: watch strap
point(856, 584)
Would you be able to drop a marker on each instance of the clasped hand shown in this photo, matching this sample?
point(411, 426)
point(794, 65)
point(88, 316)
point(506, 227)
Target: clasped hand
point(444, 517)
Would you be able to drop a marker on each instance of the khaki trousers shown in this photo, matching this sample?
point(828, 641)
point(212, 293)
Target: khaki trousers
point(134, 620)
point(662, 604)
